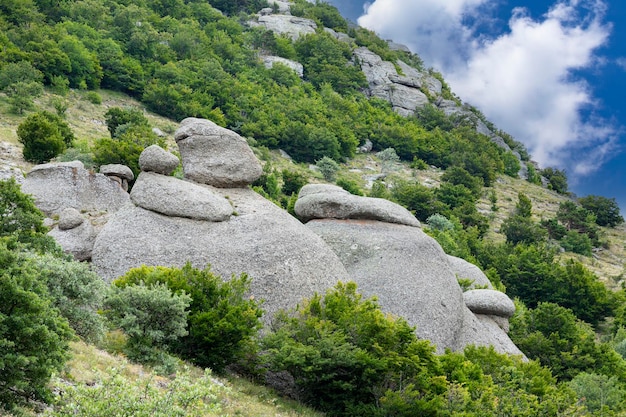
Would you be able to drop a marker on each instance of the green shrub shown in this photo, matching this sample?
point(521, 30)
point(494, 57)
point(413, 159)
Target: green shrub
point(93, 97)
point(292, 182)
point(77, 292)
point(328, 167)
point(350, 186)
point(117, 116)
point(577, 242)
point(126, 148)
point(439, 222)
point(222, 320)
point(345, 354)
point(599, 393)
point(21, 220)
point(33, 335)
point(44, 136)
point(151, 316)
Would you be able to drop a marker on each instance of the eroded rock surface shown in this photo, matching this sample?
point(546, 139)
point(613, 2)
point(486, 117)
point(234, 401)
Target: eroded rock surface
point(215, 156)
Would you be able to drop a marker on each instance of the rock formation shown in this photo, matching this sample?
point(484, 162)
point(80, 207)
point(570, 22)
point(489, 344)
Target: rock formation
point(213, 218)
point(394, 260)
point(270, 60)
point(172, 221)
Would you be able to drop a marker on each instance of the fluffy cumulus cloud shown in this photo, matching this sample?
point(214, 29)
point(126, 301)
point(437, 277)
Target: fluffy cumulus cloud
point(522, 78)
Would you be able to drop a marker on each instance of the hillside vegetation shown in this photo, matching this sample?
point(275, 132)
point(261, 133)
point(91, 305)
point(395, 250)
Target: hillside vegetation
point(91, 80)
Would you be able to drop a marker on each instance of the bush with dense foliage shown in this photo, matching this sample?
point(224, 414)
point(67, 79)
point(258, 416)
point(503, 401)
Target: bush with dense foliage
point(21, 220)
point(44, 136)
point(605, 209)
point(222, 320)
point(554, 336)
point(151, 316)
point(33, 335)
point(77, 292)
point(347, 358)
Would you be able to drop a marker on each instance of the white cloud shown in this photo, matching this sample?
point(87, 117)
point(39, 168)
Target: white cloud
point(621, 62)
point(521, 79)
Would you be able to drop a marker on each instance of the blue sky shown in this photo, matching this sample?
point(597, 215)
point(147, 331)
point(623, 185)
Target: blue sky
point(551, 73)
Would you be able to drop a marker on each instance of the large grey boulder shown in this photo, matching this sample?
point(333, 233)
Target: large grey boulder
point(174, 197)
point(285, 260)
point(292, 26)
point(70, 218)
point(77, 240)
point(466, 270)
point(411, 276)
point(57, 186)
point(214, 155)
point(490, 302)
point(321, 201)
point(269, 61)
point(117, 170)
point(406, 269)
point(156, 159)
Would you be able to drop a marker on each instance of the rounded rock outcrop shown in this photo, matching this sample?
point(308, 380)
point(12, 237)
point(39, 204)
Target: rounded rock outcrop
point(156, 159)
point(489, 302)
point(56, 186)
point(70, 218)
point(215, 156)
point(323, 201)
point(177, 198)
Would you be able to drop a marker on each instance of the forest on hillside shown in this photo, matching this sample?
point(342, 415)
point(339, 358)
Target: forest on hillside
point(197, 58)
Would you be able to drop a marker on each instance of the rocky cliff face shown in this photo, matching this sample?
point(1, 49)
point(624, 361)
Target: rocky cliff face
point(407, 90)
point(213, 218)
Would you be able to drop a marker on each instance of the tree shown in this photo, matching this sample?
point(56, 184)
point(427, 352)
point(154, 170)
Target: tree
point(388, 158)
point(524, 206)
point(117, 116)
point(520, 229)
point(599, 393)
point(44, 136)
point(21, 82)
point(556, 178)
point(606, 209)
point(33, 336)
point(328, 167)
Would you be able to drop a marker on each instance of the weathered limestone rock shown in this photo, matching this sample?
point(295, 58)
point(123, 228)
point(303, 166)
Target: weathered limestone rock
point(465, 270)
point(57, 186)
point(292, 26)
point(490, 302)
point(285, 260)
point(70, 218)
point(156, 159)
point(215, 156)
point(297, 67)
point(322, 201)
point(174, 197)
